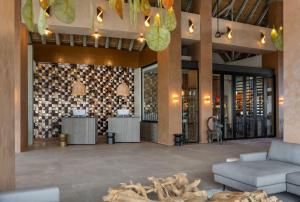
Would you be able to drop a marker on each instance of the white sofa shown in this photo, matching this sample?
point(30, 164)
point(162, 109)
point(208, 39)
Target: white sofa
point(33, 195)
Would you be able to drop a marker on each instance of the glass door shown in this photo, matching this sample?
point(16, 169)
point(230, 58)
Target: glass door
point(190, 105)
point(240, 108)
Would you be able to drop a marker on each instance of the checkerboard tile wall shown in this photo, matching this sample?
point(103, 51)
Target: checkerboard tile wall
point(52, 94)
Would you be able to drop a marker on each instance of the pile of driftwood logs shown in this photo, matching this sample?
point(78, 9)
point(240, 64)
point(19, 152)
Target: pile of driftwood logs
point(178, 189)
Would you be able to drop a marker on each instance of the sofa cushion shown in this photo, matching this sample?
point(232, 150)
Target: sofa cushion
point(293, 178)
point(256, 173)
point(285, 152)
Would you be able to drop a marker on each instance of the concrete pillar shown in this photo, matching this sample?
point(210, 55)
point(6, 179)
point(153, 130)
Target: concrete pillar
point(8, 62)
point(274, 60)
point(21, 88)
point(169, 86)
point(291, 70)
point(202, 52)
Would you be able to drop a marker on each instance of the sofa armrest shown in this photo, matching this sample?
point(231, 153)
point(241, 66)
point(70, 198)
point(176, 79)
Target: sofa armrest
point(258, 156)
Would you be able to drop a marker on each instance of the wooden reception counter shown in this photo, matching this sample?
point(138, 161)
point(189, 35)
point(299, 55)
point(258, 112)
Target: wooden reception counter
point(127, 129)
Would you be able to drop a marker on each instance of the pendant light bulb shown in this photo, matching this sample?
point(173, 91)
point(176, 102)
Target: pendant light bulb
point(229, 33)
point(191, 26)
point(147, 21)
point(263, 38)
point(99, 14)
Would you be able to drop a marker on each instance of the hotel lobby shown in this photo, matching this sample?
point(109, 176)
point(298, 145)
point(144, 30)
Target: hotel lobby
point(149, 100)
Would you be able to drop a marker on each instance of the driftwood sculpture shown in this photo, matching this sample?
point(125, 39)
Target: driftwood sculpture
point(178, 189)
point(170, 189)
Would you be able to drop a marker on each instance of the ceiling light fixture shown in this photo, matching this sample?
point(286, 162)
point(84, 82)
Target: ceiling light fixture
point(262, 38)
point(96, 35)
point(229, 33)
point(191, 26)
point(99, 14)
point(147, 21)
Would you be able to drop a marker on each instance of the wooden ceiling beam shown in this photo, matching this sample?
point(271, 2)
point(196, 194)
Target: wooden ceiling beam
point(215, 10)
point(228, 7)
point(262, 16)
point(188, 5)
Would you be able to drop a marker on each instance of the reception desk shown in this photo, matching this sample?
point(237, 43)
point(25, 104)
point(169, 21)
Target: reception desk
point(126, 129)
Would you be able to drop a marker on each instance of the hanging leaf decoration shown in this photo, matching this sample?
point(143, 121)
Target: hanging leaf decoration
point(170, 20)
point(27, 14)
point(119, 8)
point(145, 7)
point(134, 10)
point(167, 3)
point(44, 4)
point(64, 10)
point(42, 22)
point(277, 38)
point(158, 38)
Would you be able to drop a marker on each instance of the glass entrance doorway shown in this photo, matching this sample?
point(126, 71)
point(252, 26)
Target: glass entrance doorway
point(244, 104)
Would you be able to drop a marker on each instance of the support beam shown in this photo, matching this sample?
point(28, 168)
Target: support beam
point(96, 42)
point(107, 42)
point(274, 60)
point(227, 8)
point(242, 8)
point(119, 46)
point(57, 39)
point(263, 15)
point(71, 40)
point(169, 86)
point(249, 17)
point(10, 14)
point(215, 10)
point(84, 40)
point(131, 45)
point(44, 39)
point(188, 5)
point(202, 52)
point(143, 44)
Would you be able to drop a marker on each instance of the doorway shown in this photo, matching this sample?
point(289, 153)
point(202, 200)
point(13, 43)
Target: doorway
point(244, 103)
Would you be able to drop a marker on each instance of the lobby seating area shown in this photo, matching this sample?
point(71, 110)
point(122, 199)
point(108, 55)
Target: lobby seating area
point(149, 101)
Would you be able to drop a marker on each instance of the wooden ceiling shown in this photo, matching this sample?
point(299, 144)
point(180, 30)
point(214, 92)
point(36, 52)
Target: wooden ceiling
point(244, 11)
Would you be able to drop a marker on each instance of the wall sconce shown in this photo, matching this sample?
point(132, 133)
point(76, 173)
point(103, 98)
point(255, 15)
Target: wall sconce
point(141, 38)
point(262, 38)
point(96, 35)
point(175, 98)
point(191, 26)
point(147, 21)
point(47, 32)
point(207, 99)
point(229, 33)
point(99, 14)
point(281, 101)
point(47, 12)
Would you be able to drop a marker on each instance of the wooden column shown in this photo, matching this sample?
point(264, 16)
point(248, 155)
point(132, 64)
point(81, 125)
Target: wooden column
point(291, 71)
point(274, 60)
point(202, 52)
point(21, 89)
point(169, 86)
point(7, 75)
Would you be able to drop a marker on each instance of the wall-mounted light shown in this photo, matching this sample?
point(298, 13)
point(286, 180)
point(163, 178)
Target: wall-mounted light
point(147, 21)
point(175, 98)
point(206, 99)
point(99, 14)
point(191, 26)
point(229, 33)
point(47, 12)
point(96, 35)
point(262, 38)
point(141, 38)
point(281, 101)
point(47, 32)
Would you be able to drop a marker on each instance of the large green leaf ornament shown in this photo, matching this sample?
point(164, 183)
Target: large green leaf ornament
point(64, 10)
point(158, 37)
point(42, 23)
point(277, 38)
point(170, 20)
point(27, 14)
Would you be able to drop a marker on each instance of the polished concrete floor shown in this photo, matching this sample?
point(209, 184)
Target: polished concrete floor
point(83, 173)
